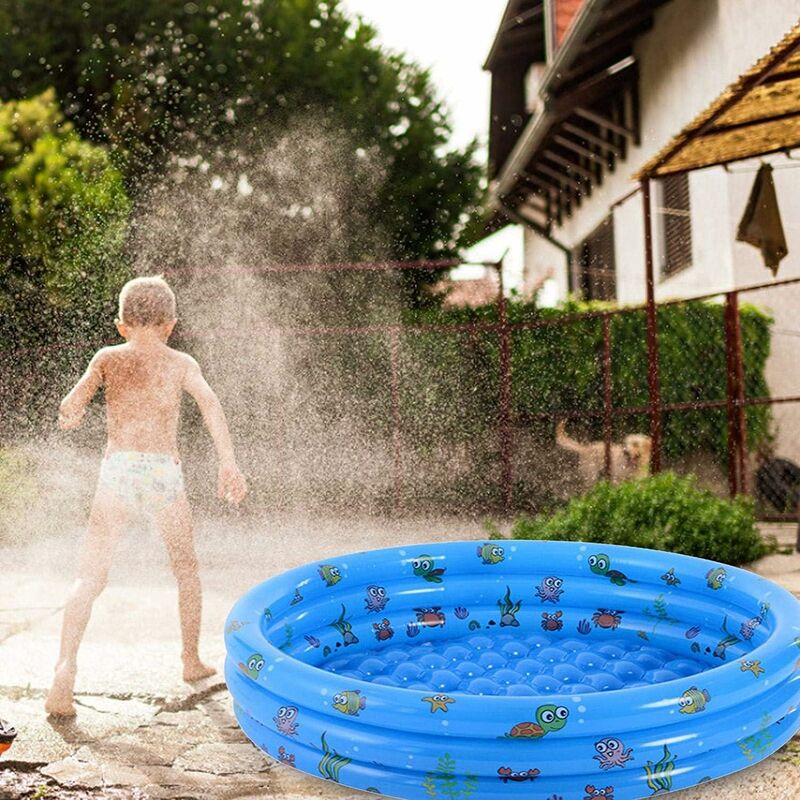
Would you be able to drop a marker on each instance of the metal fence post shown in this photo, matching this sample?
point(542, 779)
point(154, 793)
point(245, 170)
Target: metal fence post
point(608, 429)
point(653, 379)
point(507, 475)
point(738, 365)
point(394, 357)
point(734, 400)
point(730, 399)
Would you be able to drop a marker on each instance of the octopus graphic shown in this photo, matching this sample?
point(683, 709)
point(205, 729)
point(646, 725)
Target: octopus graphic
point(549, 590)
point(612, 753)
point(376, 599)
point(286, 720)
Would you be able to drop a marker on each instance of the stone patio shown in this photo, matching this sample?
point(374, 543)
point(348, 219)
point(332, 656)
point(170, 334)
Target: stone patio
point(169, 740)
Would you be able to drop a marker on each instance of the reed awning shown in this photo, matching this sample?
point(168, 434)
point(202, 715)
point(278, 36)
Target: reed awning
point(756, 115)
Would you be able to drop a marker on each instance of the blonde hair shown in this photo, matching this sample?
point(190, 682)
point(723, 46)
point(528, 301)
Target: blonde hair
point(146, 301)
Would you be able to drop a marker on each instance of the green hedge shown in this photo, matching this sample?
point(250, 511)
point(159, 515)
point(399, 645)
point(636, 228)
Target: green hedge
point(665, 512)
point(559, 366)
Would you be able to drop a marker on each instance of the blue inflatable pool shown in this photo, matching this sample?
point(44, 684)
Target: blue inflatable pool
point(516, 669)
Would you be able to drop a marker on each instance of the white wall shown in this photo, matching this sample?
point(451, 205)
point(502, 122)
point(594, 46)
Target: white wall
point(695, 49)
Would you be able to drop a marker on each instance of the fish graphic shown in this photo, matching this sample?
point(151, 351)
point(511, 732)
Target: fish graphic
point(716, 577)
point(491, 553)
point(349, 702)
point(694, 700)
point(670, 578)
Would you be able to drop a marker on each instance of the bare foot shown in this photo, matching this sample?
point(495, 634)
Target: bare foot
point(196, 670)
point(59, 702)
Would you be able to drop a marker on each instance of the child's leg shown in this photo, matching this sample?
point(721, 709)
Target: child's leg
point(106, 520)
point(175, 523)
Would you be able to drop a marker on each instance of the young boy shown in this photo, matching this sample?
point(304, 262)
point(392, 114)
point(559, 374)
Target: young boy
point(143, 381)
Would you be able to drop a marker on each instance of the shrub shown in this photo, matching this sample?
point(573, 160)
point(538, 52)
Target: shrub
point(558, 366)
point(664, 512)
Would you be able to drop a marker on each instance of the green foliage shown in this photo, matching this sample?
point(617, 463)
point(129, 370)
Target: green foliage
point(558, 367)
point(63, 216)
point(161, 77)
point(663, 512)
point(70, 210)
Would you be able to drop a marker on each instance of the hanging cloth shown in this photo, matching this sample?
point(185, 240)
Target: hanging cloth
point(761, 223)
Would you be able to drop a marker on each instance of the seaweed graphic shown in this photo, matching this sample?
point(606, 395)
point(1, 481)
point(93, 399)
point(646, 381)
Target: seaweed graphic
point(289, 633)
point(508, 609)
point(659, 775)
point(659, 613)
point(727, 641)
point(344, 628)
point(444, 782)
point(757, 743)
point(331, 763)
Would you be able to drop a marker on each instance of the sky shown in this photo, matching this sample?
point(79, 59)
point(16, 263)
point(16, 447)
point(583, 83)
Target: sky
point(452, 38)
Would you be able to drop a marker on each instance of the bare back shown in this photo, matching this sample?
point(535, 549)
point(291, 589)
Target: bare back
point(143, 389)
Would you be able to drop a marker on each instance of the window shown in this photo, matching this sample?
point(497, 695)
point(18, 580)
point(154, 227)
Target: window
point(595, 266)
point(674, 232)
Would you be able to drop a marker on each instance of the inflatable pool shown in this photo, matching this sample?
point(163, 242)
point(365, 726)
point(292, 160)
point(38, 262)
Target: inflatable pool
point(503, 669)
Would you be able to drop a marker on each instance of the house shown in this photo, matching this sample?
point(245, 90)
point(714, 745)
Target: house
point(584, 93)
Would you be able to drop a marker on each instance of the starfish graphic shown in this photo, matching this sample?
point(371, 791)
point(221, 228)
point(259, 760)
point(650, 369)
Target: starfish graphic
point(438, 702)
point(753, 666)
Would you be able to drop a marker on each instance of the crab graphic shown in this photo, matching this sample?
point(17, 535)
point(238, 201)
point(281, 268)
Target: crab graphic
point(506, 774)
point(430, 617)
point(605, 618)
point(592, 793)
point(612, 753)
point(552, 622)
point(284, 757)
point(383, 630)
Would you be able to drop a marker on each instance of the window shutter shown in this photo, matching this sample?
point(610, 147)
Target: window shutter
point(677, 224)
point(596, 263)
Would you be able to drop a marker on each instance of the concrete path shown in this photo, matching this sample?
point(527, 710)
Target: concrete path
point(166, 739)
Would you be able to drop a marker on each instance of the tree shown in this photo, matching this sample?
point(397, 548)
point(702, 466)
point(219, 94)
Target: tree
point(161, 77)
point(63, 213)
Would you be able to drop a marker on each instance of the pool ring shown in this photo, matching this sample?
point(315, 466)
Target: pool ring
point(494, 669)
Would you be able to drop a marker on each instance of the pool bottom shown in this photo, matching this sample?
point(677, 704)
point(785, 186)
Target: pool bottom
point(517, 664)
point(336, 762)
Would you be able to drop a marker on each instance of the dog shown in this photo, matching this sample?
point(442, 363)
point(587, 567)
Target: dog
point(629, 460)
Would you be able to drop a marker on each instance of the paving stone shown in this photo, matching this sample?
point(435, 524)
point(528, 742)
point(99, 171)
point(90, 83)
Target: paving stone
point(133, 749)
point(92, 775)
point(179, 718)
point(132, 709)
point(199, 753)
point(223, 759)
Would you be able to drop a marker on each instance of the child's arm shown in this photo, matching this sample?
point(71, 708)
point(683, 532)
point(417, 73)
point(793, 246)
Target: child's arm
point(73, 406)
point(231, 484)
